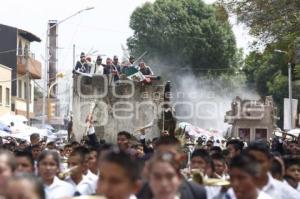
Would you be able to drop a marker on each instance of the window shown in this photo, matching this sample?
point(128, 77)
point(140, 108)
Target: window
point(261, 134)
point(0, 95)
point(20, 89)
point(244, 134)
point(7, 97)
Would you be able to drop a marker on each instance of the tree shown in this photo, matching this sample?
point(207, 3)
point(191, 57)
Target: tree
point(184, 33)
point(269, 20)
point(267, 73)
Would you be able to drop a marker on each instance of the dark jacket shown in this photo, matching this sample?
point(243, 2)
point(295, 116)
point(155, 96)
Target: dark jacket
point(188, 190)
point(82, 67)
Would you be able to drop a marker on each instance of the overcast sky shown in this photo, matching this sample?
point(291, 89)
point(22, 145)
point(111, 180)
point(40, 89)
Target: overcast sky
point(104, 28)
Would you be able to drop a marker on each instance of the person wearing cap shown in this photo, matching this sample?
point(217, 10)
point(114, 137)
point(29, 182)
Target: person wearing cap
point(131, 59)
point(116, 63)
point(82, 66)
point(128, 65)
point(109, 68)
point(145, 70)
point(98, 68)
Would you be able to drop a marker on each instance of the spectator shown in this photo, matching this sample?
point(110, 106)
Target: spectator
point(277, 168)
point(24, 186)
point(78, 161)
point(276, 189)
point(25, 162)
point(243, 173)
point(235, 147)
point(7, 168)
point(48, 166)
point(292, 169)
point(165, 177)
point(220, 166)
point(200, 159)
point(119, 176)
point(123, 139)
point(51, 146)
point(35, 151)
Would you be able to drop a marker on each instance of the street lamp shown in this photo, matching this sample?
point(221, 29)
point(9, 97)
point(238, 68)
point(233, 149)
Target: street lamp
point(58, 75)
point(46, 57)
point(290, 89)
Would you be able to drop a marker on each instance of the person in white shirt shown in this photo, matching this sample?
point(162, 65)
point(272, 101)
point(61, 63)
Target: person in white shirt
point(243, 172)
point(92, 173)
point(80, 182)
point(119, 176)
point(265, 182)
point(48, 167)
point(24, 185)
point(98, 68)
point(292, 169)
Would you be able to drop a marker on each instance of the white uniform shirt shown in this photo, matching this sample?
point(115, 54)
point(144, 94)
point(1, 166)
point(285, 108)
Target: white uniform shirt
point(261, 195)
point(93, 178)
point(97, 69)
point(84, 187)
point(59, 189)
point(279, 190)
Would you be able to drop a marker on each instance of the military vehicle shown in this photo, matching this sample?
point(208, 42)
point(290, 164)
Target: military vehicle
point(123, 105)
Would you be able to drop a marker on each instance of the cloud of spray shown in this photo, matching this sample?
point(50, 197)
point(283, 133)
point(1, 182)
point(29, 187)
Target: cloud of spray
point(201, 101)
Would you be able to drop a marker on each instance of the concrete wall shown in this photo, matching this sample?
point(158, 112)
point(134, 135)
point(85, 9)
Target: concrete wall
point(123, 106)
point(20, 100)
point(8, 41)
point(5, 82)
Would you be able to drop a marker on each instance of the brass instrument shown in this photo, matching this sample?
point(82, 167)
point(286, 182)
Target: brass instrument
point(63, 175)
point(196, 175)
point(89, 197)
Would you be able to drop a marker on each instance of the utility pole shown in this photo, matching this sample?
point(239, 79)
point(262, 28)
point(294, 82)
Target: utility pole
point(47, 56)
point(71, 84)
point(26, 56)
point(290, 96)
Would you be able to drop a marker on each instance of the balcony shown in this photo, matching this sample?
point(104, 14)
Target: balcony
point(34, 67)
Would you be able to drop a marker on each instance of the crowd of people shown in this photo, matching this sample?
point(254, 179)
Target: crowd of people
point(112, 66)
point(160, 168)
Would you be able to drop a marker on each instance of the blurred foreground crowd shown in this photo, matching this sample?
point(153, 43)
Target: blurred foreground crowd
point(163, 168)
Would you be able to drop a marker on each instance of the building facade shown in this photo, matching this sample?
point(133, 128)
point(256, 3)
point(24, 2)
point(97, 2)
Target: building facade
point(252, 119)
point(5, 90)
point(14, 43)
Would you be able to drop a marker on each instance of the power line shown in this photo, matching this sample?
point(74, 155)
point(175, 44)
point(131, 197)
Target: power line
point(13, 79)
point(8, 51)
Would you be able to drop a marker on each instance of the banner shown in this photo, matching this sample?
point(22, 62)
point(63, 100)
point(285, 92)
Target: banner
point(287, 114)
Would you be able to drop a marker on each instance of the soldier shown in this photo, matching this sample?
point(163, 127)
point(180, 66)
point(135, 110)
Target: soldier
point(98, 66)
point(145, 70)
point(82, 66)
point(111, 69)
point(128, 65)
point(116, 63)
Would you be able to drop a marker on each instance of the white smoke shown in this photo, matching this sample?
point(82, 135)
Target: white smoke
point(201, 101)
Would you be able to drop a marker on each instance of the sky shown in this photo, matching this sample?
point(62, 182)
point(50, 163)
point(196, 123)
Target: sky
point(103, 29)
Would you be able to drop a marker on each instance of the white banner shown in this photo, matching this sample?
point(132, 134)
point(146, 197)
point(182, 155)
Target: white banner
point(286, 114)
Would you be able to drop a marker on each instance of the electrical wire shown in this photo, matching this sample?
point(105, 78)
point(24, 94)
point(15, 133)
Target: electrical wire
point(8, 51)
point(13, 79)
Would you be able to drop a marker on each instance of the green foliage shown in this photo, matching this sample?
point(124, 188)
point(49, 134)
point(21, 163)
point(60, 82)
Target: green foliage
point(270, 20)
point(185, 33)
point(267, 73)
